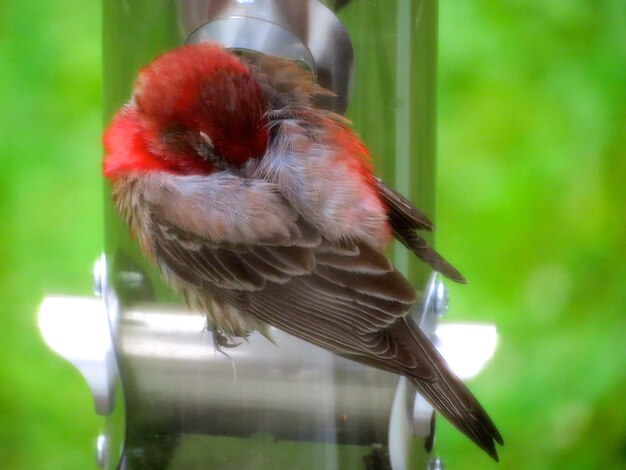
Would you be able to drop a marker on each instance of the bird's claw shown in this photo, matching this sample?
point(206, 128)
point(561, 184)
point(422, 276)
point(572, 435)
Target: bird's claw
point(220, 340)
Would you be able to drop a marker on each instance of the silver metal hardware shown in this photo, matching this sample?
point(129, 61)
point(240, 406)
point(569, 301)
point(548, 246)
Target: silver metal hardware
point(254, 34)
point(78, 329)
point(440, 299)
point(99, 274)
point(434, 307)
point(260, 386)
point(436, 464)
point(101, 450)
point(292, 390)
point(307, 31)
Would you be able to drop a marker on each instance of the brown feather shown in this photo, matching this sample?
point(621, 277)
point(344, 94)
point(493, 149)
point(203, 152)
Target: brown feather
point(405, 219)
point(348, 301)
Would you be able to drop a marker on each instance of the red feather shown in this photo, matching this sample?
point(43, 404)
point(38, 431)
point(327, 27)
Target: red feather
point(126, 150)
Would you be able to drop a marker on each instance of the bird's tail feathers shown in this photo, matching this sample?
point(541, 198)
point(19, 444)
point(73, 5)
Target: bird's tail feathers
point(445, 391)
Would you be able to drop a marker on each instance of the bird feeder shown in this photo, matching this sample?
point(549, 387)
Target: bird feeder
point(169, 398)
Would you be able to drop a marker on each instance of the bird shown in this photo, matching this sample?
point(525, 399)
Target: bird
point(261, 208)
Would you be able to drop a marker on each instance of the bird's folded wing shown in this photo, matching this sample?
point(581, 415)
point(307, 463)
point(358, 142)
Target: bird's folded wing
point(405, 220)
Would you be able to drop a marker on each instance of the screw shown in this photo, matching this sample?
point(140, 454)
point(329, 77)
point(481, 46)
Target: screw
point(440, 299)
point(435, 464)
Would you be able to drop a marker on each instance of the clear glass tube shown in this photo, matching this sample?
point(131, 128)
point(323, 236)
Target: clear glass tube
point(188, 407)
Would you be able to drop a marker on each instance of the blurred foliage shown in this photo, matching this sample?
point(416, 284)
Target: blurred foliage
point(51, 216)
point(531, 199)
point(532, 115)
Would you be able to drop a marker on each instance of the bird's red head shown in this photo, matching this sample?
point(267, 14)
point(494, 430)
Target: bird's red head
point(194, 108)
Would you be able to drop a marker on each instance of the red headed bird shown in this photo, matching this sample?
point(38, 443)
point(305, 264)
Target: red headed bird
point(262, 209)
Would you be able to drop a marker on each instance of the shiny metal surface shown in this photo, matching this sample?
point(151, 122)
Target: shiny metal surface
point(467, 347)
point(291, 389)
point(101, 451)
point(254, 34)
point(99, 276)
point(303, 30)
point(435, 464)
point(435, 303)
point(292, 380)
point(78, 330)
point(440, 302)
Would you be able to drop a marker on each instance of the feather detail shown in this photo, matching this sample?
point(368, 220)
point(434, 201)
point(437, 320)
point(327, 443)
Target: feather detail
point(405, 219)
point(291, 237)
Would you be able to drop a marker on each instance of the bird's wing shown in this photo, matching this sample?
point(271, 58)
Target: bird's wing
point(405, 220)
point(291, 91)
point(349, 286)
point(346, 298)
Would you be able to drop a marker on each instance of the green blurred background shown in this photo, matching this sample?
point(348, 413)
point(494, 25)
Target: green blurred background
point(531, 197)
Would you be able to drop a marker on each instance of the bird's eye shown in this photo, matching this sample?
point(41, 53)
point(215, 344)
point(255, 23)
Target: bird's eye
point(206, 139)
point(205, 148)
